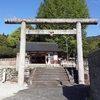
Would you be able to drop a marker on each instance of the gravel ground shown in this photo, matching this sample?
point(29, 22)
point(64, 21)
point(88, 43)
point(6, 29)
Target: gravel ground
point(76, 92)
point(8, 89)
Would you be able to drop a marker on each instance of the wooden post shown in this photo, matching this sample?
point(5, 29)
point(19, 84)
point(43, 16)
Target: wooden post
point(80, 54)
point(22, 54)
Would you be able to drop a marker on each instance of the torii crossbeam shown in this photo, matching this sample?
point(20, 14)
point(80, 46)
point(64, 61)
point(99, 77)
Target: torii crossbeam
point(57, 32)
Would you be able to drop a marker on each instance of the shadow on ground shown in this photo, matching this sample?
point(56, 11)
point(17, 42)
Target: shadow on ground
point(76, 92)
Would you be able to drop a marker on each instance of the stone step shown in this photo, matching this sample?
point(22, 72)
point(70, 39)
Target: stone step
point(50, 79)
point(50, 76)
point(50, 71)
point(51, 83)
point(63, 74)
point(49, 67)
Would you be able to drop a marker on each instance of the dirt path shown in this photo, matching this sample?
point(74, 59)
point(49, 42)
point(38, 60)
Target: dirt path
point(76, 92)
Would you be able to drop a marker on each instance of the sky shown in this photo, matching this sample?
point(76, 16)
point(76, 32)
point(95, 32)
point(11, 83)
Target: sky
point(29, 8)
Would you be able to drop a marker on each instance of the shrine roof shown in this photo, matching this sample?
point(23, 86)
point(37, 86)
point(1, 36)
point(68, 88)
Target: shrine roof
point(42, 46)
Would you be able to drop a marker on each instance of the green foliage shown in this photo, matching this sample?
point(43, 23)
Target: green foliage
point(30, 37)
point(93, 42)
point(14, 37)
point(5, 51)
point(15, 51)
point(90, 44)
point(86, 48)
point(61, 9)
point(98, 45)
point(3, 40)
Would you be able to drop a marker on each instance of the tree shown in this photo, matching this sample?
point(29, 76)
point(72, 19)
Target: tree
point(61, 9)
point(14, 38)
point(98, 45)
point(5, 52)
point(90, 44)
point(86, 48)
point(3, 40)
point(30, 37)
point(15, 51)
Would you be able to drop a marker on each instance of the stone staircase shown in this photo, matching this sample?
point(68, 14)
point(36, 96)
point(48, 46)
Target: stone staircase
point(49, 77)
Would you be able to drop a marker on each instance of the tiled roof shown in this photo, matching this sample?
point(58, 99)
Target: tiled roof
point(42, 46)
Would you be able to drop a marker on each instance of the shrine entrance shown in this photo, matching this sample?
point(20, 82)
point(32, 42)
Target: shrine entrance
point(25, 31)
point(38, 59)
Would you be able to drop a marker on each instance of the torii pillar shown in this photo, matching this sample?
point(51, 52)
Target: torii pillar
point(78, 23)
point(79, 54)
point(22, 54)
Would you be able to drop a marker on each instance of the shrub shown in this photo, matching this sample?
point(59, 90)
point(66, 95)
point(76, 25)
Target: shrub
point(5, 52)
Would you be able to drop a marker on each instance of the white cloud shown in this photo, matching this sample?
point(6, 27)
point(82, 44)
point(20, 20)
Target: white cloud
point(95, 1)
point(12, 16)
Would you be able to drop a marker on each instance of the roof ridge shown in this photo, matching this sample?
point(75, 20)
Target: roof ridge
point(43, 42)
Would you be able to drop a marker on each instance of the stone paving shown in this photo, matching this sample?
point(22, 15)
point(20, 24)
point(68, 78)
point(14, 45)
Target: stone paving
point(76, 92)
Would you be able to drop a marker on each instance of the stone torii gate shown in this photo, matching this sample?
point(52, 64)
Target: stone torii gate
point(25, 31)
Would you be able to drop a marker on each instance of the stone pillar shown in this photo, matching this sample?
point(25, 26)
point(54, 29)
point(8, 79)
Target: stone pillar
point(80, 54)
point(49, 58)
point(22, 54)
point(4, 75)
point(55, 59)
point(17, 61)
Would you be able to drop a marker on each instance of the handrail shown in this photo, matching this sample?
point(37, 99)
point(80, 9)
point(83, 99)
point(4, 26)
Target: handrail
point(71, 79)
point(31, 76)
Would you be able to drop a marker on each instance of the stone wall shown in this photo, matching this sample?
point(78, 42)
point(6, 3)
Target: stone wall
point(94, 70)
point(7, 62)
point(9, 74)
point(12, 74)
